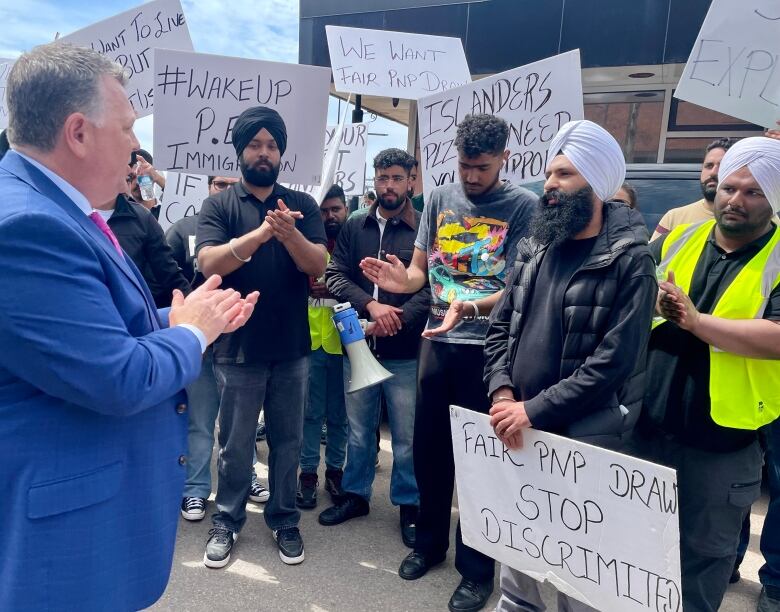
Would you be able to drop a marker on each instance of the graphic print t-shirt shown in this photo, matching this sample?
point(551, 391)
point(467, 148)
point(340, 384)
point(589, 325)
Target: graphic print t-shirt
point(470, 245)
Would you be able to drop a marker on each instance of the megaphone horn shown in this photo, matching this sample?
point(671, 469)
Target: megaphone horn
point(366, 370)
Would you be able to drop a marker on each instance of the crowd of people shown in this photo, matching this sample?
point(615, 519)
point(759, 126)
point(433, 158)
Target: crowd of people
point(554, 312)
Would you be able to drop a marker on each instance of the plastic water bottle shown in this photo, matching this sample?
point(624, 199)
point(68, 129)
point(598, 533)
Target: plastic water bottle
point(146, 185)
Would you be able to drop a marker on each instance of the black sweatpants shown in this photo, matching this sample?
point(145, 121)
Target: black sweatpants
point(448, 373)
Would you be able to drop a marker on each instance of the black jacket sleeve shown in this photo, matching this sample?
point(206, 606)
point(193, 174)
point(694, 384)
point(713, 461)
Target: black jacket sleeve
point(498, 371)
point(179, 247)
point(164, 267)
point(416, 308)
point(591, 386)
point(339, 271)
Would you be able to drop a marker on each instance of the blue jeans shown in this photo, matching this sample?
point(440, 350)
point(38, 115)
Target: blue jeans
point(326, 401)
point(280, 388)
point(202, 411)
point(363, 412)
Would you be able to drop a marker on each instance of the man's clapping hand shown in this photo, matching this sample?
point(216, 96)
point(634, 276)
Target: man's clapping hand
point(212, 310)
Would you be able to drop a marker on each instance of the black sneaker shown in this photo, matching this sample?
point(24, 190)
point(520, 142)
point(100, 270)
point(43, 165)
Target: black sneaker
point(408, 525)
point(218, 547)
point(290, 545)
point(258, 493)
point(306, 496)
point(333, 484)
point(348, 507)
point(193, 508)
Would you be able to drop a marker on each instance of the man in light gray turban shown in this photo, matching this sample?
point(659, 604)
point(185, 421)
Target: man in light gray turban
point(565, 350)
point(713, 374)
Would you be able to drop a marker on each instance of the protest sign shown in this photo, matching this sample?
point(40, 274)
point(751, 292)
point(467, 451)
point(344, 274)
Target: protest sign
point(733, 67)
point(198, 97)
point(183, 196)
point(601, 526)
point(5, 68)
point(535, 100)
point(395, 64)
point(129, 39)
point(350, 171)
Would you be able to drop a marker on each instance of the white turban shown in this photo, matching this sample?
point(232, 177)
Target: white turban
point(595, 154)
point(761, 156)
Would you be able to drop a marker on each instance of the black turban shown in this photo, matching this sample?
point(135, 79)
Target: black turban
point(252, 120)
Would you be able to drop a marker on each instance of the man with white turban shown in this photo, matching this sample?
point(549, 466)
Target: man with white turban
point(714, 366)
point(565, 350)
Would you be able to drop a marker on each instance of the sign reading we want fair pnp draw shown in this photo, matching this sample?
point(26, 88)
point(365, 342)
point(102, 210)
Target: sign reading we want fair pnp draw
point(535, 100)
point(601, 526)
point(130, 38)
point(395, 64)
point(198, 98)
point(734, 67)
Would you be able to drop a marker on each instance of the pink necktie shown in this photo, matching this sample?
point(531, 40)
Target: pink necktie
point(103, 227)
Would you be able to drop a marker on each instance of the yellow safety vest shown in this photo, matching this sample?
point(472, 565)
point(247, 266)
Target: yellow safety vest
point(744, 392)
point(323, 332)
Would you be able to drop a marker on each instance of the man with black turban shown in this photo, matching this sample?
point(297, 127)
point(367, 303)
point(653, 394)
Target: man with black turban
point(260, 234)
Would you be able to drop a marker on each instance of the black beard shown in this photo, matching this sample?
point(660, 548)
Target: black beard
point(391, 205)
point(257, 177)
point(709, 192)
point(332, 229)
point(560, 222)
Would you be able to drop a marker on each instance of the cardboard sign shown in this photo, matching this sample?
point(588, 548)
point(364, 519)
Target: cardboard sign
point(535, 100)
point(198, 97)
point(395, 64)
point(350, 171)
point(733, 67)
point(601, 526)
point(130, 38)
point(5, 68)
point(183, 196)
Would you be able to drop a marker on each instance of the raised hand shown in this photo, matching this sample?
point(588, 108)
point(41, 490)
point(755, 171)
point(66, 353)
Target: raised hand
point(389, 275)
point(455, 314)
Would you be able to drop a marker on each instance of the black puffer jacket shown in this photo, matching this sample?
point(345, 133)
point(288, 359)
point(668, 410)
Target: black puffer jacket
point(607, 312)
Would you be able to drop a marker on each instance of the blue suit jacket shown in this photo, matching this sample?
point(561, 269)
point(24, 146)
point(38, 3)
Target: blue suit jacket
point(92, 427)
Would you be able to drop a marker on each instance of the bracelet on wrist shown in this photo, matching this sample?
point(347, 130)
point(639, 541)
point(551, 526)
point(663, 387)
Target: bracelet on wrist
point(498, 400)
point(236, 255)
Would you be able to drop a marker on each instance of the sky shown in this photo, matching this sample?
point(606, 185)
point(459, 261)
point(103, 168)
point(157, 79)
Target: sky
point(267, 30)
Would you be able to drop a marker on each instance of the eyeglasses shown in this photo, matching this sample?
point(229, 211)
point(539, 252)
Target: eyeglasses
point(384, 180)
point(220, 185)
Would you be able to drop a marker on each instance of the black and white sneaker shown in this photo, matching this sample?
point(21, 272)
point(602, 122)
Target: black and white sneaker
point(290, 545)
point(258, 493)
point(218, 547)
point(193, 508)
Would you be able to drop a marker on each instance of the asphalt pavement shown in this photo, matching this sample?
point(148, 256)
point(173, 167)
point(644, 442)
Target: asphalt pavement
point(349, 567)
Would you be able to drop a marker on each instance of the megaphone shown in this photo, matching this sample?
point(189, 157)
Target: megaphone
point(366, 370)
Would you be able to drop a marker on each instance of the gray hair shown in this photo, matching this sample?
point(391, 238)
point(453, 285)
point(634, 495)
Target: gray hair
point(48, 84)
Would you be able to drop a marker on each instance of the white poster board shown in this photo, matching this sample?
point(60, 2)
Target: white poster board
point(130, 38)
point(535, 100)
point(5, 68)
point(183, 196)
point(733, 67)
point(395, 64)
point(350, 171)
point(601, 526)
point(198, 97)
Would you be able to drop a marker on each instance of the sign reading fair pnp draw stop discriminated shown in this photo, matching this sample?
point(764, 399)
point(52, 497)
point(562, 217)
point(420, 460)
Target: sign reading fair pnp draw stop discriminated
point(733, 66)
point(601, 526)
point(535, 100)
point(198, 98)
point(130, 38)
point(395, 64)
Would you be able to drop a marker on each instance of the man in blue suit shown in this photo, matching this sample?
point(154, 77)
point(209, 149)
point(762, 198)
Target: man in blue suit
point(93, 419)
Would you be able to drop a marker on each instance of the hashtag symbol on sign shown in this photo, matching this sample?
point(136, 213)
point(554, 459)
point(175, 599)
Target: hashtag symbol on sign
point(173, 79)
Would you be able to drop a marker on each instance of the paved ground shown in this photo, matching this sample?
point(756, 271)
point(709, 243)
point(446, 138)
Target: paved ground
point(350, 567)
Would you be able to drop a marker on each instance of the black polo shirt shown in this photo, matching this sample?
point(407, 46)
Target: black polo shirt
point(678, 373)
point(279, 326)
